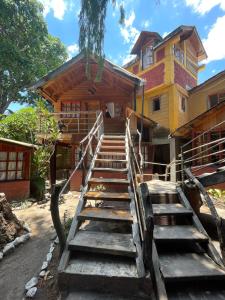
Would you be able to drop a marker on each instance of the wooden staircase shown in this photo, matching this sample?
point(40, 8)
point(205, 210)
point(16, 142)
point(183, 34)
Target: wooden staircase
point(186, 264)
point(103, 251)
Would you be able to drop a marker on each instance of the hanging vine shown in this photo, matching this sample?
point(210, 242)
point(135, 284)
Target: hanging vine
point(92, 31)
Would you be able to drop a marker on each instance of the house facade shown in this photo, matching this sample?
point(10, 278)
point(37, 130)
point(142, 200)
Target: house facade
point(15, 162)
point(170, 69)
point(78, 97)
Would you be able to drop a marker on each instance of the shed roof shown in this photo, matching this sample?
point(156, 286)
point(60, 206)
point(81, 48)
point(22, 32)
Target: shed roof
point(9, 141)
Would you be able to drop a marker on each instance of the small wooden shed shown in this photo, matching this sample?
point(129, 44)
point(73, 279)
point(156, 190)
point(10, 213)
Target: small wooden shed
point(15, 164)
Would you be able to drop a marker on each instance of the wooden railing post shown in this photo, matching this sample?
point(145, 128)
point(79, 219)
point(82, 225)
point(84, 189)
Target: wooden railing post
point(149, 225)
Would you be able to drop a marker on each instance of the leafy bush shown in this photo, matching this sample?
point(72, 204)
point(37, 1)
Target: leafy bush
point(217, 193)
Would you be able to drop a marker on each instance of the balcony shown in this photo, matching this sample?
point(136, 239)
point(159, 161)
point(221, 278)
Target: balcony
point(69, 123)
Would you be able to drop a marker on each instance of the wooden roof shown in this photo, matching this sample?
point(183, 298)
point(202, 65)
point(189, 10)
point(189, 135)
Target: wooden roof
point(18, 143)
point(71, 80)
point(144, 37)
point(186, 32)
point(186, 129)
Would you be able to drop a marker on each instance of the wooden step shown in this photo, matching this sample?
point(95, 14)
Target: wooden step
point(116, 142)
point(178, 234)
point(170, 209)
point(189, 267)
point(103, 242)
point(102, 169)
point(108, 181)
point(107, 196)
point(104, 214)
point(106, 153)
point(114, 137)
point(102, 147)
point(110, 160)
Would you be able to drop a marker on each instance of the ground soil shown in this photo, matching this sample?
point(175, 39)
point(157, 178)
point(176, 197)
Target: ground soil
point(25, 262)
point(19, 267)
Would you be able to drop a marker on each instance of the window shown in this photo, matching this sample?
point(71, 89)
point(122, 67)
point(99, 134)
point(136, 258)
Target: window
point(71, 107)
point(11, 165)
point(213, 100)
point(178, 53)
point(156, 104)
point(183, 103)
point(147, 57)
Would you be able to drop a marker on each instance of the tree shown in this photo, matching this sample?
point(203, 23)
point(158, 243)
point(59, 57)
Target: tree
point(92, 28)
point(24, 125)
point(27, 51)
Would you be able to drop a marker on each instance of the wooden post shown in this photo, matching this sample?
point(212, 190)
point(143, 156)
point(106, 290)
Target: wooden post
point(173, 176)
point(142, 109)
point(135, 99)
point(53, 167)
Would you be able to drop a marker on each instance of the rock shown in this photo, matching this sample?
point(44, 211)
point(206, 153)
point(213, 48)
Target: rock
point(31, 292)
point(1, 256)
point(21, 239)
point(26, 227)
point(51, 249)
point(8, 248)
point(49, 257)
point(31, 283)
point(44, 265)
point(42, 274)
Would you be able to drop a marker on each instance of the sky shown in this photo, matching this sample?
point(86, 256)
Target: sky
point(162, 16)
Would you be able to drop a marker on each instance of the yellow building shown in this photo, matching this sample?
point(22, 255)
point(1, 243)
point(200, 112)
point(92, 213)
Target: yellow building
point(170, 67)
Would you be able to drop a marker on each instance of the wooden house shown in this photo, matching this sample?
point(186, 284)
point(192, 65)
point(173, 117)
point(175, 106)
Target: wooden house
point(15, 163)
point(78, 97)
point(207, 104)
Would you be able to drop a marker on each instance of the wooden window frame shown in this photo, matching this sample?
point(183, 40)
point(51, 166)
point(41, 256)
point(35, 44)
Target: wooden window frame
point(16, 170)
point(154, 100)
point(72, 105)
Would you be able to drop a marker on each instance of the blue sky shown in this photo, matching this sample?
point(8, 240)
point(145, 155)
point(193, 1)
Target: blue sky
point(207, 15)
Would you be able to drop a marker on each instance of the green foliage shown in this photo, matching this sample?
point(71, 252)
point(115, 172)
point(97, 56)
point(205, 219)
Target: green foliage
point(27, 51)
point(217, 193)
point(20, 126)
point(24, 125)
point(92, 29)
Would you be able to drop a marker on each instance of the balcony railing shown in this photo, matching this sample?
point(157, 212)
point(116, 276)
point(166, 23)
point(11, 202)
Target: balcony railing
point(72, 122)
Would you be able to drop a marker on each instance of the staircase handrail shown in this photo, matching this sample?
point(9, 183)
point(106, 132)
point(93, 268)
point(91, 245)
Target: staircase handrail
point(218, 221)
point(97, 127)
point(140, 192)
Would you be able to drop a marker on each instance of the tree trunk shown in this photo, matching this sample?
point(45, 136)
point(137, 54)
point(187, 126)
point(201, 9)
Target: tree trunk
point(54, 208)
point(10, 226)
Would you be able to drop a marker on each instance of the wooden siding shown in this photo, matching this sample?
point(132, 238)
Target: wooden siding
point(198, 101)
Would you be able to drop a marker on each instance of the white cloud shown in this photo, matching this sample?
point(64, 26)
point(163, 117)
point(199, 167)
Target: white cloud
point(58, 7)
point(165, 34)
point(146, 24)
point(204, 6)
point(72, 50)
point(213, 44)
point(127, 58)
point(128, 31)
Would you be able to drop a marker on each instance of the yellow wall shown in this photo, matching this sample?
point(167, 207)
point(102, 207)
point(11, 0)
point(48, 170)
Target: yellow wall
point(170, 114)
point(198, 101)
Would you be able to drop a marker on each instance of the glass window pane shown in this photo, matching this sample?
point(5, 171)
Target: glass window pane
point(12, 175)
point(12, 165)
point(12, 155)
point(19, 175)
point(3, 165)
point(19, 165)
point(2, 176)
point(20, 155)
point(3, 155)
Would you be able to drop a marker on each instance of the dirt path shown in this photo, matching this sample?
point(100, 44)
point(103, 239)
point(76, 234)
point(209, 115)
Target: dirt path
point(18, 267)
